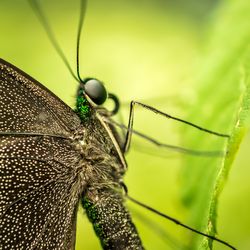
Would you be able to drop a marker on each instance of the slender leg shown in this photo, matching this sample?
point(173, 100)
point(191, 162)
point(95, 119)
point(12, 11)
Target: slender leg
point(130, 127)
point(131, 120)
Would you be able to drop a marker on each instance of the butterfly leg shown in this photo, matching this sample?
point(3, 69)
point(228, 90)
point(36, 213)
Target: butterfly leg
point(156, 111)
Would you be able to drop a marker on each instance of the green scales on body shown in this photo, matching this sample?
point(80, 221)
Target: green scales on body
point(82, 107)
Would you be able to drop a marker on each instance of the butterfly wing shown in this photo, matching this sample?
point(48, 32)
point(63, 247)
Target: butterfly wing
point(39, 186)
point(27, 106)
point(39, 193)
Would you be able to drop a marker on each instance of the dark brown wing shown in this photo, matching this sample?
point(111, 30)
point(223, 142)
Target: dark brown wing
point(39, 185)
point(28, 106)
point(39, 192)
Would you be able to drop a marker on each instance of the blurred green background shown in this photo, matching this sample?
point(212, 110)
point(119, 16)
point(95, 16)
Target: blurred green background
point(149, 51)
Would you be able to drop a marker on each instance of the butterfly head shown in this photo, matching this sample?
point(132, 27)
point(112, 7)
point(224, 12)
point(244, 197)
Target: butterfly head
point(91, 92)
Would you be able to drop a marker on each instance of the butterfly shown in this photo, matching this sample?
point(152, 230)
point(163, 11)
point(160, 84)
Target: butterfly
point(52, 158)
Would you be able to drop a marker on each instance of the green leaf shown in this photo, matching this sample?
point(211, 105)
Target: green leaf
point(222, 104)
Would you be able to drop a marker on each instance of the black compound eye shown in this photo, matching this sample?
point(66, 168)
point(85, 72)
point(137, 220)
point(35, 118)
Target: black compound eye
point(95, 90)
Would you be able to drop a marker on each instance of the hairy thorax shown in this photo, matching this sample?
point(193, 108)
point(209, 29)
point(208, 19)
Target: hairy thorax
point(99, 166)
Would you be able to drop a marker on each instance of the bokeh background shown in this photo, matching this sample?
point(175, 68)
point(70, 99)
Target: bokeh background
point(143, 50)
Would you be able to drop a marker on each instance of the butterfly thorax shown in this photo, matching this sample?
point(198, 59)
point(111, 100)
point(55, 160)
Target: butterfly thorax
point(99, 157)
point(100, 166)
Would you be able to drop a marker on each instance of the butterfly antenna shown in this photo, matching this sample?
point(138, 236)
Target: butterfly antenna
point(79, 32)
point(178, 222)
point(43, 20)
